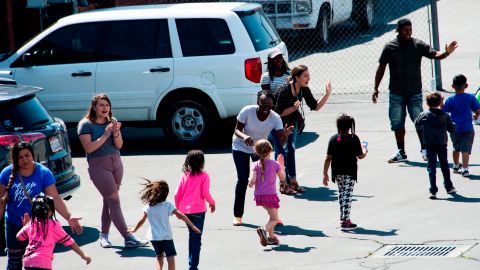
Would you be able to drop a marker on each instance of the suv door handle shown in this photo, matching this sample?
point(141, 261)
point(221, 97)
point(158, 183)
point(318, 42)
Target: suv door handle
point(162, 69)
point(82, 74)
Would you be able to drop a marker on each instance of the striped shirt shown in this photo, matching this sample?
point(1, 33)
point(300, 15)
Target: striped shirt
point(275, 83)
point(266, 185)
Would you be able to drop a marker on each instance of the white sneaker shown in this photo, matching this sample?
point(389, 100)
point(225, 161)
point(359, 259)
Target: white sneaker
point(132, 242)
point(104, 242)
point(465, 172)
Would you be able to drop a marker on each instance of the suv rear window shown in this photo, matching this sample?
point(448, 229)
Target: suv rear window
point(23, 114)
point(260, 29)
point(199, 37)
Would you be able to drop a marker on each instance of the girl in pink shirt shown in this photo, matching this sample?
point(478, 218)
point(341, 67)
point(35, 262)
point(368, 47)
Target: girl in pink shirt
point(264, 176)
point(192, 192)
point(42, 232)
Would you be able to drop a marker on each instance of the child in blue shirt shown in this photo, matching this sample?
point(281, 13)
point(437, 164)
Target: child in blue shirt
point(460, 106)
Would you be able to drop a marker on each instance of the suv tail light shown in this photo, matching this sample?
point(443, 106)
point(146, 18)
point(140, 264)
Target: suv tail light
point(11, 139)
point(253, 69)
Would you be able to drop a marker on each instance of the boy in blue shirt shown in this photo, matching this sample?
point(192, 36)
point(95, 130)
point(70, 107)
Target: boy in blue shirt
point(460, 106)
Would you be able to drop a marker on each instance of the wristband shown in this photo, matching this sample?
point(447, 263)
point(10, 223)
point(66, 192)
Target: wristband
point(116, 136)
point(446, 53)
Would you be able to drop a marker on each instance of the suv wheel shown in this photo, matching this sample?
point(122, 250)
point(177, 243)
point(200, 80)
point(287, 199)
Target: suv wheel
point(362, 14)
point(322, 31)
point(187, 123)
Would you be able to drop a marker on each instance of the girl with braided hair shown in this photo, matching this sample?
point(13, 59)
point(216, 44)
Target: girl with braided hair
point(19, 183)
point(43, 230)
point(157, 210)
point(264, 176)
point(344, 148)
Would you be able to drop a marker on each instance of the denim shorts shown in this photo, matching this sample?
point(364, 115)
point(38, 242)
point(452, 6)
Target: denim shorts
point(398, 106)
point(462, 142)
point(164, 248)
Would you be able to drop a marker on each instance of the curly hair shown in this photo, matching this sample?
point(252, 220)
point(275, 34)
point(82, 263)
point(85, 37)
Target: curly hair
point(42, 205)
point(154, 192)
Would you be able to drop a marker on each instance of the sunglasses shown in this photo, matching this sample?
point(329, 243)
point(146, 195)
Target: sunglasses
point(265, 106)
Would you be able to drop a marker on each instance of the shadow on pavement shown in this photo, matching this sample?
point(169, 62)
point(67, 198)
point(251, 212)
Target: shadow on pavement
point(318, 194)
point(291, 249)
point(88, 236)
point(459, 198)
point(409, 163)
point(474, 177)
point(360, 230)
point(135, 252)
point(306, 138)
point(248, 225)
point(295, 230)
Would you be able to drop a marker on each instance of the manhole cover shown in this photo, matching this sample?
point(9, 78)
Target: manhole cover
point(389, 251)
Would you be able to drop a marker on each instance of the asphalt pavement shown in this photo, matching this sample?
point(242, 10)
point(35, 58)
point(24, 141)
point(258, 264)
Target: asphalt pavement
point(391, 204)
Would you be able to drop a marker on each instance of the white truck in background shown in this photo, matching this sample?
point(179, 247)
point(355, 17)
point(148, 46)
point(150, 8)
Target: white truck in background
point(318, 15)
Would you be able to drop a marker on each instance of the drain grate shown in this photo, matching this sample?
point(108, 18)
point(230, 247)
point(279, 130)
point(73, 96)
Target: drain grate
point(389, 251)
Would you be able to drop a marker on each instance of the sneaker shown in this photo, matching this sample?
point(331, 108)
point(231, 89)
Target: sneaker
point(273, 240)
point(132, 242)
point(104, 241)
point(237, 221)
point(451, 191)
point(263, 236)
point(423, 152)
point(465, 173)
point(347, 225)
point(457, 169)
point(433, 196)
point(397, 157)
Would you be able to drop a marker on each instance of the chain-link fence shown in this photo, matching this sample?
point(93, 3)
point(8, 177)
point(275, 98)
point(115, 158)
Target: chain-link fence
point(345, 48)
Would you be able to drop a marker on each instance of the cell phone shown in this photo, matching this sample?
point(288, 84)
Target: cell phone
point(365, 144)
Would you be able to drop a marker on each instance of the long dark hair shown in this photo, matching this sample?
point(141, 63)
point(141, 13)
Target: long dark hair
point(345, 122)
point(271, 69)
point(41, 206)
point(154, 192)
point(15, 153)
point(91, 114)
point(194, 162)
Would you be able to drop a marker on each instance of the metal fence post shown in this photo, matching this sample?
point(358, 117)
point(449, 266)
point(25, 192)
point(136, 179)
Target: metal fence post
point(436, 44)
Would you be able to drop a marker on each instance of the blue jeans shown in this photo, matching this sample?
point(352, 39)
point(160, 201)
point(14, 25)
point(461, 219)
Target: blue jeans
point(440, 150)
point(15, 248)
point(280, 149)
point(195, 239)
point(289, 153)
point(242, 164)
point(398, 106)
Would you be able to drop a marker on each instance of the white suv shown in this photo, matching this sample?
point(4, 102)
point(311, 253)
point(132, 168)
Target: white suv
point(183, 66)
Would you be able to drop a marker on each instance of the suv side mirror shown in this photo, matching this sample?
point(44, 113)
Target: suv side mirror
point(27, 59)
